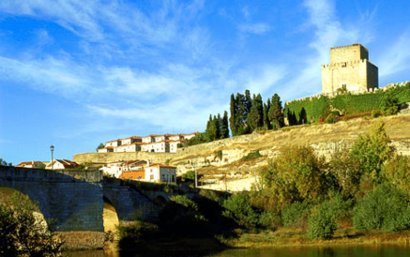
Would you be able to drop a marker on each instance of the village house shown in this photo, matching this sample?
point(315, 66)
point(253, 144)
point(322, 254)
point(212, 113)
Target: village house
point(61, 165)
point(144, 171)
point(30, 164)
point(161, 173)
point(117, 168)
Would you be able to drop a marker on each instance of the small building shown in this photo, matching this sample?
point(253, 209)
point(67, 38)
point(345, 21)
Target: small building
point(133, 147)
point(30, 164)
point(112, 169)
point(161, 173)
point(61, 165)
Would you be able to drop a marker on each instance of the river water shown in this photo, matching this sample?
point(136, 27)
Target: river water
point(368, 251)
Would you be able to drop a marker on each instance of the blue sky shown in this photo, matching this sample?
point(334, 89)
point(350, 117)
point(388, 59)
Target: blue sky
point(75, 73)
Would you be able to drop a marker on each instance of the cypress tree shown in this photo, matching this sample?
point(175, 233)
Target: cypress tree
point(224, 126)
point(233, 117)
point(217, 123)
point(275, 113)
point(266, 121)
point(255, 117)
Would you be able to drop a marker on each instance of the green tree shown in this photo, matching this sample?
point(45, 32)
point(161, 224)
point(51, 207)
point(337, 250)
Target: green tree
point(233, 118)
point(224, 130)
point(22, 234)
point(100, 146)
point(275, 113)
point(371, 150)
point(390, 104)
point(346, 171)
point(296, 174)
point(397, 172)
point(255, 117)
point(4, 163)
point(266, 120)
point(386, 207)
point(238, 208)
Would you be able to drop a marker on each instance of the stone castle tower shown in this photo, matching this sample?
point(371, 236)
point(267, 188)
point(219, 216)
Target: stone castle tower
point(350, 70)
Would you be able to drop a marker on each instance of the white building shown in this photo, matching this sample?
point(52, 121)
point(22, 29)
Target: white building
point(134, 147)
point(167, 143)
point(61, 165)
point(112, 169)
point(161, 173)
point(116, 169)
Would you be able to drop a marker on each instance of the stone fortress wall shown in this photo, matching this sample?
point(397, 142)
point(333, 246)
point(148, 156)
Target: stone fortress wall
point(349, 68)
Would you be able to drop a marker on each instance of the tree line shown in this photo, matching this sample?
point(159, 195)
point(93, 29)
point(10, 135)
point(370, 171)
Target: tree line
point(248, 113)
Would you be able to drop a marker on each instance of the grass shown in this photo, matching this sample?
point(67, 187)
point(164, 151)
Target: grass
point(292, 237)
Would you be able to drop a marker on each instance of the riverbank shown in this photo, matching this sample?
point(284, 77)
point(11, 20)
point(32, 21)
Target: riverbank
point(290, 237)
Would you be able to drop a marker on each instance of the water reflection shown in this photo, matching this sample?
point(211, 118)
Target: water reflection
point(375, 251)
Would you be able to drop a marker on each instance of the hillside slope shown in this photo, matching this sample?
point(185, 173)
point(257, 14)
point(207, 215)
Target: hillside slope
point(224, 161)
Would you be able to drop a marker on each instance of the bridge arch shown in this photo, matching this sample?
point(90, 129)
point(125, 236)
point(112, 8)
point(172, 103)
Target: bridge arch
point(13, 197)
point(110, 219)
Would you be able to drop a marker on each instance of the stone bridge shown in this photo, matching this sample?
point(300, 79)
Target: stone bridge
point(74, 200)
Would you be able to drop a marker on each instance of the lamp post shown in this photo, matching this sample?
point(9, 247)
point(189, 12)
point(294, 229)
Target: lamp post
point(52, 155)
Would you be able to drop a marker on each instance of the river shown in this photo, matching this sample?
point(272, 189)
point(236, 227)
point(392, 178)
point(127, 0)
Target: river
point(367, 251)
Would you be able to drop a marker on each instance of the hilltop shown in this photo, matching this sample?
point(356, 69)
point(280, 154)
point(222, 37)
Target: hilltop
point(231, 163)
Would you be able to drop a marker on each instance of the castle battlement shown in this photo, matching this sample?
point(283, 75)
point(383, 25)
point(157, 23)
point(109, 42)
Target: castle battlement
point(349, 69)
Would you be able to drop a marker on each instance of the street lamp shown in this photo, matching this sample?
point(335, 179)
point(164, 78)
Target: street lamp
point(52, 155)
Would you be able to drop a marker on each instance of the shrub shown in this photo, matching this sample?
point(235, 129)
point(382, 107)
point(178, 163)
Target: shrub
point(252, 155)
point(322, 222)
point(371, 150)
point(269, 219)
point(386, 207)
point(22, 234)
point(390, 104)
point(397, 172)
point(324, 218)
point(296, 174)
point(295, 214)
point(238, 208)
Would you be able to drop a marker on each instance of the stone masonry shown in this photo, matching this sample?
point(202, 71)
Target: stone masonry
point(349, 70)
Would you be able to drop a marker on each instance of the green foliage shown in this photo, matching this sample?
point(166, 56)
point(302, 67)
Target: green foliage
point(190, 175)
point(322, 222)
point(252, 155)
point(4, 163)
point(255, 117)
point(296, 174)
point(100, 146)
point(22, 234)
point(317, 108)
point(386, 207)
point(397, 172)
point(371, 150)
point(295, 214)
point(346, 171)
point(238, 208)
point(275, 113)
point(332, 117)
point(199, 139)
point(270, 220)
point(390, 104)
